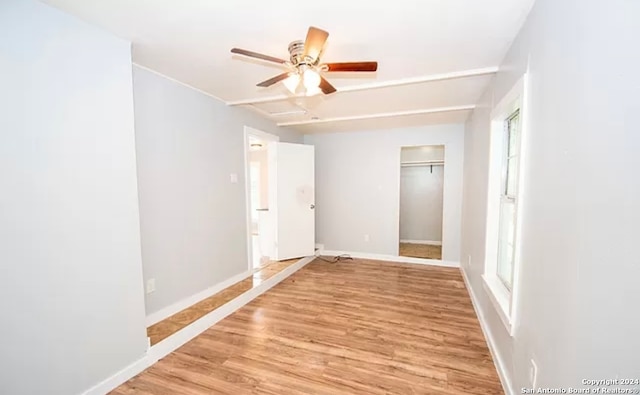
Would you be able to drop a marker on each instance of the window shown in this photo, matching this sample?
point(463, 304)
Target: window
point(504, 200)
point(506, 238)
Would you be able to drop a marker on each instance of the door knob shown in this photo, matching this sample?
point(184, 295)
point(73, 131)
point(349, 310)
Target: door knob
point(312, 206)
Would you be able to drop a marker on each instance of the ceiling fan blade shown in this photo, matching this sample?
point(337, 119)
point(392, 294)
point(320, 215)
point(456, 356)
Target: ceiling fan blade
point(352, 66)
point(257, 55)
point(325, 86)
point(273, 80)
point(315, 42)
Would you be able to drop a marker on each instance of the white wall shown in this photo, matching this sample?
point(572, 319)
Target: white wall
point(580, 265)
point(260, 157)
point(421, 191)
point(358, 182)
point(71, 277)
point(422, 153)
point(193, 219)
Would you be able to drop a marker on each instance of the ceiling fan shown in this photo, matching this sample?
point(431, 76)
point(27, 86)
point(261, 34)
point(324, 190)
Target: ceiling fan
point(304, 65)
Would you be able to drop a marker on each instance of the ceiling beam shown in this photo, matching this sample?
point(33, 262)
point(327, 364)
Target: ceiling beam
point(380, 115)
point(378, 85)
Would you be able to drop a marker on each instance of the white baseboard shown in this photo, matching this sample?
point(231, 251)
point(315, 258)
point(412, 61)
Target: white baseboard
point(499, 363)
point(392, 258)
point(180, 305)
point(122, 376)
point(179, 338)
point(430, 242)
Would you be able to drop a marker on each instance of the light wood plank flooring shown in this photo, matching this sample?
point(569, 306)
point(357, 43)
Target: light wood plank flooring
point(176, 322)
point(353, 327)
point(426, 251)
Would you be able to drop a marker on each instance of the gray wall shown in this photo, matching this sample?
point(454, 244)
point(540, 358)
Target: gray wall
point(358, 187)
point(193, 219)
point(580, 266)
point(421, 192)
point(70, 269)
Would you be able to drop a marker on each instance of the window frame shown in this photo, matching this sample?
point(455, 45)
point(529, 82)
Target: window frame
point(505, 196)
point(503, 298)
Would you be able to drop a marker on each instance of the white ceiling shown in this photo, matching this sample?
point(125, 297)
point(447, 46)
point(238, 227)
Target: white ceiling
point(189, 40)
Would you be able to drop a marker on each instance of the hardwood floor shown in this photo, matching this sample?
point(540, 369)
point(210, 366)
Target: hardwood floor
point(173, 324)
point(426, 251)
point(354, 327)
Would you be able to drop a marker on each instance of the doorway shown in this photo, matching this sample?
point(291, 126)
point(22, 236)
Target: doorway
point(280, 199)
point(258, 216)
point(421, 201)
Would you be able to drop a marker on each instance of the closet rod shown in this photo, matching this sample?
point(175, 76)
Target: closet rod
point(423, 163)
point(433, 161)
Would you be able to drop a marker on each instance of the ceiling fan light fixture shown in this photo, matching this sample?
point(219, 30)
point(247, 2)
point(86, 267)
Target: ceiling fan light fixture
point(303, 75)
point(313, 91)
point(292, 82)
point(311, 79)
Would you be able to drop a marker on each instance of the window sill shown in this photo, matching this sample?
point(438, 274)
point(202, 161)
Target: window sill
point(500, 297)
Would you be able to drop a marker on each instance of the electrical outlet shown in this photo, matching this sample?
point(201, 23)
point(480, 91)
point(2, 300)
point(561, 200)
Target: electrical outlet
point(533, 374)
point(151, 285)
point(366, 238)
point(233, 177)
point(469, 260)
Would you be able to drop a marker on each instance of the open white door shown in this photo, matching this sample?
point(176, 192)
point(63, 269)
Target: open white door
point(292, 199)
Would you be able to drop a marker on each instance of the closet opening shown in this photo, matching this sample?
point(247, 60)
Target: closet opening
point(421, 200)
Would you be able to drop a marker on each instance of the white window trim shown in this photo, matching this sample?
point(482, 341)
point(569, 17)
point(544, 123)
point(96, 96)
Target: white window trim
point(503, 300)
point(500, 297)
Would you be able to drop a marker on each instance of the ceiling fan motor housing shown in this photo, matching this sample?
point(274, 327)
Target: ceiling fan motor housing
point(296, 50)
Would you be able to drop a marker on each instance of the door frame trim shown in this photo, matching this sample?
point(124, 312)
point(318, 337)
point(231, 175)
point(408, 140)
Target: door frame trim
point(444, 238)
point(268, 137)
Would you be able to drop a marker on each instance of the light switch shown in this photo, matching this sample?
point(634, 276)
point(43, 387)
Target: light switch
point(151, 285)
point(234, 178)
